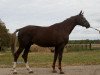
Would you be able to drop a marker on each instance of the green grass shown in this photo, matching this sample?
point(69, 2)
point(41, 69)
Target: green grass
point(82, 58)
point(41, 59)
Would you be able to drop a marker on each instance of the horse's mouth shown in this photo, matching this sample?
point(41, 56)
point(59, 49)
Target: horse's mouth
point(87, 27)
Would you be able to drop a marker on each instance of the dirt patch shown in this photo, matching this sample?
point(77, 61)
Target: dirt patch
point(69, 70)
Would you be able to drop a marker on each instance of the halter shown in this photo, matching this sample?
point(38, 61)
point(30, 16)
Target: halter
point(95, 29)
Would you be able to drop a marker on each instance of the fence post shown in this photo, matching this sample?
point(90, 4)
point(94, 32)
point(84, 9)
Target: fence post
point(90, 46)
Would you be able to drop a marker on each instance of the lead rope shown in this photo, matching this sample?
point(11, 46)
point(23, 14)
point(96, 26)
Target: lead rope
point(95, 29)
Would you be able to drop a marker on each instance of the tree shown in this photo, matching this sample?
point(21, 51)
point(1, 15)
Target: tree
point(4, 36)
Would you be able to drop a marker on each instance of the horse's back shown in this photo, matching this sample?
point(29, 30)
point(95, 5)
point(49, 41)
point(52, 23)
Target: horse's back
point(28, 30)
point(32, 32)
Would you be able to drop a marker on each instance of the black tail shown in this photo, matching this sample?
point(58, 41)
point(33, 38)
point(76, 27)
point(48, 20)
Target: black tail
point(13, 42)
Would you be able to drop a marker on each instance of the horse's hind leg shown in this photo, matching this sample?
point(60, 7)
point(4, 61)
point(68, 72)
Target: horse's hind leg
point(16, 55)
point(25, 56)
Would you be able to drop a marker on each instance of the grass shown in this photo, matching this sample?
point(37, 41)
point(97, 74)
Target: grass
point(41, 59)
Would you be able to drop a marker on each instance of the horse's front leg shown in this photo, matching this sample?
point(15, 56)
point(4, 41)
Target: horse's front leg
point(54, 61)
point(60, 59)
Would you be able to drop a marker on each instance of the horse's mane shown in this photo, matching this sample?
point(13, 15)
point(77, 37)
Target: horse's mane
point(65, 21)
point(70, 18)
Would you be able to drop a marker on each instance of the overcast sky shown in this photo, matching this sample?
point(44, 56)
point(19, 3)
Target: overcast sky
point(19, 13)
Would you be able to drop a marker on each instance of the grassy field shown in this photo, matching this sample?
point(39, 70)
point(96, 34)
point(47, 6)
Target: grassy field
point(40, 59)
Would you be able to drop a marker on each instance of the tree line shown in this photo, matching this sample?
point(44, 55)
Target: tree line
point(4, 36)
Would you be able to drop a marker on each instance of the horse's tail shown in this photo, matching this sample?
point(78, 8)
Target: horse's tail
point(13, 42)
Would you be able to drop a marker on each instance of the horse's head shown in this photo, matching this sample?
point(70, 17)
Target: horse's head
point(81, 20)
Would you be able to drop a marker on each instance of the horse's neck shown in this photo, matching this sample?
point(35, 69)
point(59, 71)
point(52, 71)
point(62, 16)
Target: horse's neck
point(65, 27)
point(68, 25)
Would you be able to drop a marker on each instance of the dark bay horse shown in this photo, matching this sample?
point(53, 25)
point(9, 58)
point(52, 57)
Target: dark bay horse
point(56, 35)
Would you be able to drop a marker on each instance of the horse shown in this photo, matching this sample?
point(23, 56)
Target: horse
point(56, 35)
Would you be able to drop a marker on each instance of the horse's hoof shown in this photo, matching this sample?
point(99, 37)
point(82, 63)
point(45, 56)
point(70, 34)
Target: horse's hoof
point(54, 71)
point(61, 72)
point(30, 71)
point(14, 72)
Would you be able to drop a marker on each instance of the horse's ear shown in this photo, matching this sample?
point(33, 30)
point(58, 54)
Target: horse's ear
point(81, 13)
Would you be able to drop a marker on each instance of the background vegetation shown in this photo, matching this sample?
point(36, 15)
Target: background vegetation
point(4, 36)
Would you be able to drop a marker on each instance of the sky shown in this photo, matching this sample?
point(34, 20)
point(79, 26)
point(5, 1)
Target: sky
point(19, 13)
